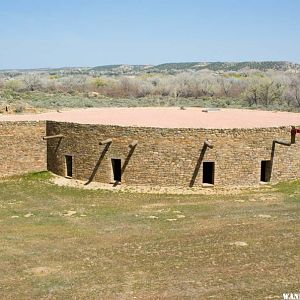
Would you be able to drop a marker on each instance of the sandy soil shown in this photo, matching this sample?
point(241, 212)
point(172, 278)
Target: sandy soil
point(167, 117)
point(173, 190)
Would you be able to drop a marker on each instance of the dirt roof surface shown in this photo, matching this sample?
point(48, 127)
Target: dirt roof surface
point(169, 117)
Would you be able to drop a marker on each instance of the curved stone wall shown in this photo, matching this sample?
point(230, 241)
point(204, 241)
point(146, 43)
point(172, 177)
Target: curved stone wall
point(22, 149)
point(172, 157)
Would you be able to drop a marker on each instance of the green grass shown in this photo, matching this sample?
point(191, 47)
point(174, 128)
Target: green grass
point(123, 245)
point(20, 102)
point(41, 100)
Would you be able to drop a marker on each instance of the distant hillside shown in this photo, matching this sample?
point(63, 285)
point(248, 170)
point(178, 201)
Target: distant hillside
point(230, 66)
point(196, 66)
point(176, 66)
point(122, 69)
point(168, 68)
point(262, 66)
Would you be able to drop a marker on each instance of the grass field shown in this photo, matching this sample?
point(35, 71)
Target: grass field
point(21, 102)
point(64, 243)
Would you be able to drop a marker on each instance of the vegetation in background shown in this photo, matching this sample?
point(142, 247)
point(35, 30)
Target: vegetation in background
point(268, 85)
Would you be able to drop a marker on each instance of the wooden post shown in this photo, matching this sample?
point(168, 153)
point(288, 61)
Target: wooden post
point(293, 135)
point(107, 141)
point(208, 144)
point(52, 137)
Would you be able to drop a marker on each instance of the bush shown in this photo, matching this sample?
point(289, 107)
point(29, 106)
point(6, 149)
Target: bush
point(20, 108)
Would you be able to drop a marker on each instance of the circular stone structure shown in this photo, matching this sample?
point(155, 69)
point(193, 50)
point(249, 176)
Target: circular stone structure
point(188, 147)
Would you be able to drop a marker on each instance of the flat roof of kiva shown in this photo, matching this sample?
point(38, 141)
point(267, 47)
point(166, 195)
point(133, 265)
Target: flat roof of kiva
point(167, 117)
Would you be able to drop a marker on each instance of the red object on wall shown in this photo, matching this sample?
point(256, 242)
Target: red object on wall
point(295, 130)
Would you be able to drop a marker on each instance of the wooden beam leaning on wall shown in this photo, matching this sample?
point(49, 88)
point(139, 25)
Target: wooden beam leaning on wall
point(284, 143)
point(294, 131)
point(133, 144)
point(208, 144)
point(53, 137)
point(107, 141)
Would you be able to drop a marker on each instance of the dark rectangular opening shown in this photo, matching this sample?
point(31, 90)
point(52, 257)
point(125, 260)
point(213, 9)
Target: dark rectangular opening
point(208, 172)
point(69, 166)
point(265, 171)
point(116, 166)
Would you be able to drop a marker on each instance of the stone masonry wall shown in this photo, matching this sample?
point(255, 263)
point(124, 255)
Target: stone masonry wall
point(22, 149)
point(172, 157)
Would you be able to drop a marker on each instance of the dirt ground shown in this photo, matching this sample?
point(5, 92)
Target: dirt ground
point(201, 190)
point(167, 117)
point(60, 242)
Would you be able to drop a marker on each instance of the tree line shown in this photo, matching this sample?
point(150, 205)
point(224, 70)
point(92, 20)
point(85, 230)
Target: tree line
point(252, 88)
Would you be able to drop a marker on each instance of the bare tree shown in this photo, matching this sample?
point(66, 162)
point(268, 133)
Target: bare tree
point(225, 84)
point(295, 89)
point(32, 81)
point(208, 87)
point(251, 94)
point(269, 92)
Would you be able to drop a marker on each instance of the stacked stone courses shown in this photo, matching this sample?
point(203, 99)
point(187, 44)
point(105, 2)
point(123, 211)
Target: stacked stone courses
point(22, 149)
point(161, 157)
point(170, 156)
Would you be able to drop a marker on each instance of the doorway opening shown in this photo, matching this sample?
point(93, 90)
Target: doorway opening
point(208, 172)
point(265, 171)
point(117, 170)
point(69, 166)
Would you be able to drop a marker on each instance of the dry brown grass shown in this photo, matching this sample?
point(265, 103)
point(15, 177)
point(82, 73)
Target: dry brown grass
point(129, 245)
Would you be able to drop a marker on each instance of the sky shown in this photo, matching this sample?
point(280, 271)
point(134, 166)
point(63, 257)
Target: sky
point(64, 33)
